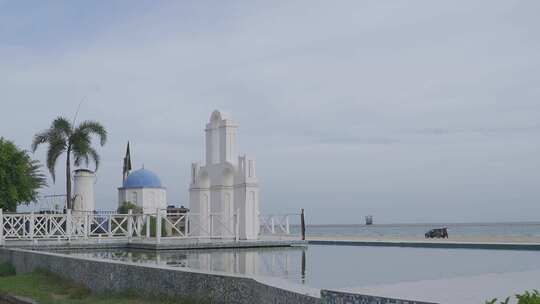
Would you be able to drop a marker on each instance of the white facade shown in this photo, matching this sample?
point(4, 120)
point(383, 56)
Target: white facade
point(149, 199)
point(83, 190)
point(225, 189)
point(143, 188)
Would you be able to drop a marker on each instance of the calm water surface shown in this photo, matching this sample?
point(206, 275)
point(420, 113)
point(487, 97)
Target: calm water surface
point(338, 266)
point(404, 230)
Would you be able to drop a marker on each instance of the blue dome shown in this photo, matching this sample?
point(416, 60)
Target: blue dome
point(142, 178)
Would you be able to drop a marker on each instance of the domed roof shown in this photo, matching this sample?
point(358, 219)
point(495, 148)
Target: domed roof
point(142, 178)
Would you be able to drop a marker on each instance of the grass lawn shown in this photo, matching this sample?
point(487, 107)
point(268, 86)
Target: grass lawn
point(49, 288)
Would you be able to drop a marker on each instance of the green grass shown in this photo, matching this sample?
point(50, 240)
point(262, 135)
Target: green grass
point(48, 288)
point(6, 269)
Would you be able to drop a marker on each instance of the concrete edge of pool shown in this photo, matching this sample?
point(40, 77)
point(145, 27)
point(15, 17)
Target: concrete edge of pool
point(118, 276)
point(151, 245)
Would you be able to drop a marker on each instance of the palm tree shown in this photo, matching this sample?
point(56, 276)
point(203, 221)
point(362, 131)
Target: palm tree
point(62, 137)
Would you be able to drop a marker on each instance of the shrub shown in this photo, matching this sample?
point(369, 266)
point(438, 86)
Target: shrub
point(153, 227)
point(126, 206)
point(526, 298)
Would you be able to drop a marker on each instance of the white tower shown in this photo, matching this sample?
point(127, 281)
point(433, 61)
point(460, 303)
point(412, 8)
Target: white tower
point(225, 190)
point(83, 190)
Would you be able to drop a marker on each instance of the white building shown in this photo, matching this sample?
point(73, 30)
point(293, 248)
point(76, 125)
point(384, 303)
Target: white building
point(225, 189)
point(83, 190)
point(143, 188)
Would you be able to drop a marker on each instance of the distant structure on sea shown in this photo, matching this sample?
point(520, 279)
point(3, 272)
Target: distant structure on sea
point(369, 220)
point(225, 189)
point(141, 187)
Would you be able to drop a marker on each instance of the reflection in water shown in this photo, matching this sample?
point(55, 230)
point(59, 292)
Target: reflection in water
point(338, 266)
point(303, 274)
point(275, 262)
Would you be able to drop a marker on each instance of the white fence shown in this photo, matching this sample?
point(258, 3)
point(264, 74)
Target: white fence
point(160, 225)
point(276, 224)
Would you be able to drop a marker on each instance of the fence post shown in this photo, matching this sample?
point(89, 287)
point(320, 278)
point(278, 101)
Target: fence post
point(211, 225)
point(186, 225)
point(148, 226)
point(130, 225)
point(109, 226)
point(1, 227)
point(272, 226)
point(86, 224)
point(237, 225)
point(68, 224)
point(303, 225)
point(158, 226)
point(287, 229)
point(31, 228)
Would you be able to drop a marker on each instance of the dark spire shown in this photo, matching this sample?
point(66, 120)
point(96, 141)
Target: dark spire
point(127, 164)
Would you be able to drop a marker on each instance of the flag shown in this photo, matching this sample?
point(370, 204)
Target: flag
point(127, 164)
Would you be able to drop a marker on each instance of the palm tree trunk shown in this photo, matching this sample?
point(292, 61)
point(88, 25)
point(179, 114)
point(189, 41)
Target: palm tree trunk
point(68, 180)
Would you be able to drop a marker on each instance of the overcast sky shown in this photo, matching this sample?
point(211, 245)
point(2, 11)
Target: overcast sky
point(413, 111)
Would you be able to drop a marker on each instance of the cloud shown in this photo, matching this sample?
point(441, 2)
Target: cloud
point(372, 107)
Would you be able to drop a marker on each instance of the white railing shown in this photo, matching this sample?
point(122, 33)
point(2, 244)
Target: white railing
point(275, 224)
point(74, 225)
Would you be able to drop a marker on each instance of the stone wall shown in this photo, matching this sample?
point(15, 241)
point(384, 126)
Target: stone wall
point(336, 297)
point(105, 275)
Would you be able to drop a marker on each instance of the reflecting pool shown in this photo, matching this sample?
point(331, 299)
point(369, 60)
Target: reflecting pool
point(326, 266)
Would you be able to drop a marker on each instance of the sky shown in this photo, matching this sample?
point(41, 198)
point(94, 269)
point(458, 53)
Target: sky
point(411, 111)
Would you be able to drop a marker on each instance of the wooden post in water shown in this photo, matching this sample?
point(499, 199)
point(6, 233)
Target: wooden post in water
point(303, 225)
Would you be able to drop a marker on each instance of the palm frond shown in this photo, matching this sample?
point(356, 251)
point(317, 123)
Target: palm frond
point(80, 143)
point(63, 125)
point(57, 146)
point(39, 139)
point(95, 128)
point(95, 156)
point(38, 178)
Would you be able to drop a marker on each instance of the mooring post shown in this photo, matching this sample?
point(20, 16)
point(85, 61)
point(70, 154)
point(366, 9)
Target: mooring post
point(158, 226)
point(303, 225)
point(130, 225)
point(1, 227)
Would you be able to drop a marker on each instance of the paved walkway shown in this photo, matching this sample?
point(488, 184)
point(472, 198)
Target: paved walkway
point(458, 290)
point(478, 242)
point(460, 239)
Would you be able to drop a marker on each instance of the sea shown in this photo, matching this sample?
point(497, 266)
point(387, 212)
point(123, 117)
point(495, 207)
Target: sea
point(514, 229)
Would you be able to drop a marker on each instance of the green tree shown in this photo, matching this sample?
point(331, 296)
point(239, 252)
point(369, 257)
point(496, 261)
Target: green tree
point(126, 206)
point(20, 176)
point(76, 141)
